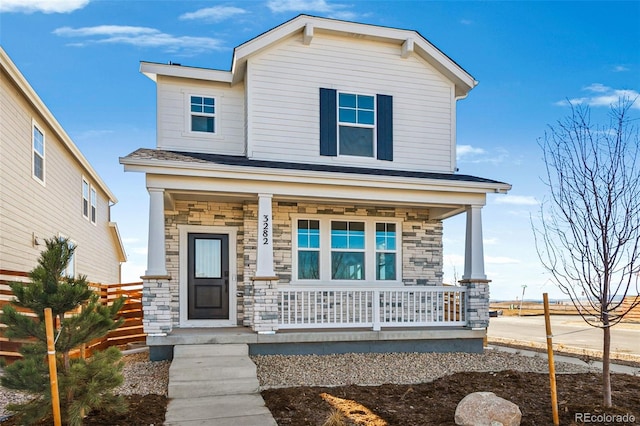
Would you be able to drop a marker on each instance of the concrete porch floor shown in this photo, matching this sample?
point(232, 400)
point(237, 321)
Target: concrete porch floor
point(305, 341)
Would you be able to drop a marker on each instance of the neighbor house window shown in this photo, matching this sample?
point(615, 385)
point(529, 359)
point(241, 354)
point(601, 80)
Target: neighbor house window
point(38, 154)
point(203, 114)
point(70, 270)
point(85, 198)
point(385, 251)
point(347, 250)
point(356, 124)
point(94, 205)
point(308, 249)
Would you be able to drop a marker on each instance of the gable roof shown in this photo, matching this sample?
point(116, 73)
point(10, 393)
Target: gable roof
point(32, 98)
point(408, 42)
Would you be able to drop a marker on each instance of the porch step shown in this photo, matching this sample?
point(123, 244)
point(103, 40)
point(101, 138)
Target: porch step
point(206, 389)
point(195, 351)
point(215, 384)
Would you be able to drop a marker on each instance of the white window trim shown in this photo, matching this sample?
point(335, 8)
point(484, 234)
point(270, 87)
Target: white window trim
point(92, 199)
point(35, 125)
point(216, 115)
point(87, 199)
point(373, 126)
point(325, 250)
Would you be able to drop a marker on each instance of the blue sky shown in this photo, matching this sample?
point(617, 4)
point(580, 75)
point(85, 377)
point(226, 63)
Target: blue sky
point(82, 58)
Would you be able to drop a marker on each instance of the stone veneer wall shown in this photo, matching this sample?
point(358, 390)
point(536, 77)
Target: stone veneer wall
point(422, 262)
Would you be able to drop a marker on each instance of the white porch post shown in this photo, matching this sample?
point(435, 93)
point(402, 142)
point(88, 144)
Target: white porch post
point(265, 237)
point(265, 283)
point(474, 252)
point(474, 278)
point(156, 265)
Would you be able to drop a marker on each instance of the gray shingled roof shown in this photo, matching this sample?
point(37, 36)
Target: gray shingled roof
point(241, 161)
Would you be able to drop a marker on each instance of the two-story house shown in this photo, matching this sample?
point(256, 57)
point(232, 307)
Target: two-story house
point(306, 189)
point(48, 189)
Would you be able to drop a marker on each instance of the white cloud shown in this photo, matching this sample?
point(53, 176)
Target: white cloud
point(44, 6)
point(500, 260)
point(214, 14)
point(490, 241)
point(520, 200)
point(468, 150)
point(141, 37)
point(601, 95)
point(620, 68)
point(333, 10)
point(298, 5)
point(466, 21)
point(103, 30)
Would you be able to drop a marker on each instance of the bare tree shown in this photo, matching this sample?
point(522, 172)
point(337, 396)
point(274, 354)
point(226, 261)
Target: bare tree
point(588, 236)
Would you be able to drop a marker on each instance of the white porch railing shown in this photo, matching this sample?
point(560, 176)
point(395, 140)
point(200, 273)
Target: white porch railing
point(342, 307)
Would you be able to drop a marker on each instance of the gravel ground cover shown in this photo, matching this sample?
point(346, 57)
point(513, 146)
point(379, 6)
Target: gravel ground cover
point(397, 368)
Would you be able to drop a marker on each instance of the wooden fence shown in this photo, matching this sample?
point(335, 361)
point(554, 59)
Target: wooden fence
point(130, 331)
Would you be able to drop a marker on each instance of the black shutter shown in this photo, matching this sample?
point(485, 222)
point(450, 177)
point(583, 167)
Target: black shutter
point(328, 123)
point(384, 119)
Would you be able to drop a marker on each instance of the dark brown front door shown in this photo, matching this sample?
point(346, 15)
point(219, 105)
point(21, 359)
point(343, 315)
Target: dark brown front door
point(208, 282)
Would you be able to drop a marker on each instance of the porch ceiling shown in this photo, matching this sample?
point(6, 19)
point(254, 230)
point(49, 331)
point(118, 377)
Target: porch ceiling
point(437, 211)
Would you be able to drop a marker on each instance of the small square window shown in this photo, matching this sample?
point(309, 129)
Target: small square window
point(203, 114)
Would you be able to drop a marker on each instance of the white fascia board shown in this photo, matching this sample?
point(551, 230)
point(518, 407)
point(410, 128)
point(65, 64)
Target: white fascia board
point(32, 97)
point(152, 70)
point(122, 254)
point(222, 171)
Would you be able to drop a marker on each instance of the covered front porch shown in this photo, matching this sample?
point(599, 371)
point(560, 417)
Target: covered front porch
point(293, 251)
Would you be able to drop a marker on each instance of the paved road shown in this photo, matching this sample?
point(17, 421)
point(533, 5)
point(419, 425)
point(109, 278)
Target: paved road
point(568, 330)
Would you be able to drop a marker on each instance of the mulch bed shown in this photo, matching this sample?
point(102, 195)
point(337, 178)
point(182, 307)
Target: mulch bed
point(435, 403)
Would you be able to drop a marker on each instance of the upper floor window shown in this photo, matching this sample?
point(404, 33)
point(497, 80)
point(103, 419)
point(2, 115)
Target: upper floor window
point(356, 121)
point(85, 198)
point(94, 205)
point(356, 124)
point(38, 154)
point(203, 114)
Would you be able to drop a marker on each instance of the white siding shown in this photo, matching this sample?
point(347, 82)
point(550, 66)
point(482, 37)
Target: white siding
point(173, 117)
point(283, 111)
point(27, 207)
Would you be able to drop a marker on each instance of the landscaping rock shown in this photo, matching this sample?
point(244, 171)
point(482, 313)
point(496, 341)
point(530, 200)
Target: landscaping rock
point(487, 409)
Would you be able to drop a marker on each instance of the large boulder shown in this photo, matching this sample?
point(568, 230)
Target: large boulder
point(487, 409)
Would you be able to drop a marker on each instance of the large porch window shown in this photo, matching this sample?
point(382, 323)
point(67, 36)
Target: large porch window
point(345, 250)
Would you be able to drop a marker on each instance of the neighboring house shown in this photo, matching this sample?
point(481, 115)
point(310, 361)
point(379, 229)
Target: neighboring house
point(48, 189)
point(307, 187)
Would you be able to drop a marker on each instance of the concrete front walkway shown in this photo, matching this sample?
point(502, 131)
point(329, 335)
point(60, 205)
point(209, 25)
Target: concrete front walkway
point(215, 384)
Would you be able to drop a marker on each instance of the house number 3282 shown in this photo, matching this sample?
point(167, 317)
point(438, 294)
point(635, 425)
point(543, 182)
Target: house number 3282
point(265, 229)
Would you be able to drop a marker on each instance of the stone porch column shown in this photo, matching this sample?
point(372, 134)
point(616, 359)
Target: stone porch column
point(156, 297)
point(474, 277)
point(265, 283)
